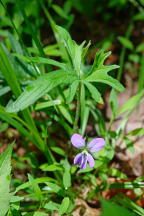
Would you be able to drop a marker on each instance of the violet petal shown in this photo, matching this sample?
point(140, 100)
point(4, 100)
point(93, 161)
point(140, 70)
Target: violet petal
point(96, 144)
point(83, 162)
point(77, 141)
point(90, 160)
point(78, 158)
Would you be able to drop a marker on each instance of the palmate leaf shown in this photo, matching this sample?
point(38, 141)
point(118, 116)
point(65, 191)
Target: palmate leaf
point(99, 72)
point(40, 87)
point(5, 170)
point(101, 75)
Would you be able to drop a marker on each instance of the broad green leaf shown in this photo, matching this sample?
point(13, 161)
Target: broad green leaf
point(111, 208)
point(40, 87)
point(126, 42)
point(64, 206)
point(67, 179)
point(94, 92)
point(101, 75)
point(131, 103)
point(52, 206)
point(5, 178)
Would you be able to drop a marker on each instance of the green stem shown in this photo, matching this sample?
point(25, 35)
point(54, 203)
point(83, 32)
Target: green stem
point(77, 115)
point(123, 52)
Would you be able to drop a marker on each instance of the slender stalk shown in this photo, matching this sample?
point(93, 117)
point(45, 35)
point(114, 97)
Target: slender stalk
point(123, 52)
point(77, 115)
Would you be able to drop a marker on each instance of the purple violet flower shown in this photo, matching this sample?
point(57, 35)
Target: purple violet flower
point(88, 149)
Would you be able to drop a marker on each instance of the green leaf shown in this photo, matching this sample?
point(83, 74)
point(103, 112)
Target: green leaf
point(53, 187)
point(136, 132)
point(72, 91)
point(35, 187)
point(38, 180)
point(117, 173)
point(52, 167)
point(5, 178)
point(94, 92)
point(52, 206)
point(140, 47)
point(40, 60)
point(139, 16)
point(110, 208)
point(131, 103)
point(113, 103)
point(128, 203)
point(38, 88)
point(100, 57)
point(100, 75)
point(67, 179)
point(126, 42)
point(44, 105)
point(66, 113)
point(64, 206)
point(58, 151)
point(74, 51)
point(60, 11)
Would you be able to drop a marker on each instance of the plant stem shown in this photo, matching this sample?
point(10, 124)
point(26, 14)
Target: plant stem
point(77, 115)
point(123, 52)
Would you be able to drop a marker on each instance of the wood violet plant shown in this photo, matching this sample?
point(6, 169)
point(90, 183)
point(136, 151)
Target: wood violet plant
point(51, 97)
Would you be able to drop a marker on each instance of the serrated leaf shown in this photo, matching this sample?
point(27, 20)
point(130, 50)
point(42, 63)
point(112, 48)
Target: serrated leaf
point(126, 42)
point(38, 88)
point(5, 170)
point(94, 92)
